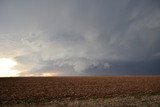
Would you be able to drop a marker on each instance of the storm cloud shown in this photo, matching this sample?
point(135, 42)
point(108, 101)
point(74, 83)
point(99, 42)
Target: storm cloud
point(81, 37)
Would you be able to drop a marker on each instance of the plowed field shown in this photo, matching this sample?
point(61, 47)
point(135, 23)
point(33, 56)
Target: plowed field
point(39, 89)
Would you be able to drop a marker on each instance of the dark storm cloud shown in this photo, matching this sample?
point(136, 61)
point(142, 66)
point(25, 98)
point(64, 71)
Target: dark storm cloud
point(81, 37)
point(127, 68)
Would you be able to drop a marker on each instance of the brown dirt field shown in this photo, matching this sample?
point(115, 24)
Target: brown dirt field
point(44, 89)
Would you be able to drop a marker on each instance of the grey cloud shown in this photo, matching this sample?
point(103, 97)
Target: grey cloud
point(67, 66)
point(74, 36)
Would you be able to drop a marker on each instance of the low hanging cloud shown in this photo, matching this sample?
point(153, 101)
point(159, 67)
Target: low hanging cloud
point(80, 37)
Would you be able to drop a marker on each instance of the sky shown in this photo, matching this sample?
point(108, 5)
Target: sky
point(80, 37)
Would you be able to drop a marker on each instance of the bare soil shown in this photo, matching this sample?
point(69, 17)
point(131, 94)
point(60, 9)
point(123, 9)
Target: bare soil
point(83, 90)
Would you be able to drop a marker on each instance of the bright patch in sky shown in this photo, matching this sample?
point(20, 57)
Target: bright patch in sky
point(48, 74)
point(6, 67)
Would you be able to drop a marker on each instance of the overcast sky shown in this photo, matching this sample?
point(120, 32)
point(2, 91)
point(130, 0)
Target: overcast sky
point(81, 37)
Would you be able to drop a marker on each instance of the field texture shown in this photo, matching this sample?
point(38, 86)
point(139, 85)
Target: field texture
point(46, 89)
